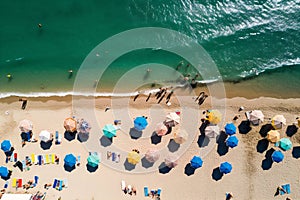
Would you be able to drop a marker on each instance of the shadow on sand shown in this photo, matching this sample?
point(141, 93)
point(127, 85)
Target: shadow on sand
point(91, 169)
point(189, 170)
point(135, 134)
point(128, 166)
point(291, 130)
point(146, 163)
point(70, 135)
point(173, 146)
point(83, 137)
point(217, 174)
point(163, 169)
point(222, 148)
point(262, 145)
point(46, 145)
point(267, 162)
point(155, 139)
point(244, 127)
point(265, 129)
point(296, 152)
point(105, 141)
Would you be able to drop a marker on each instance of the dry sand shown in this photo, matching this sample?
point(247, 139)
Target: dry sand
point(248, 180)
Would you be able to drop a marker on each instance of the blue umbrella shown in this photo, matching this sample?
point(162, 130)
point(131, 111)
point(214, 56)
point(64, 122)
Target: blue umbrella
point(232, 141)
point(225, 167)
point(140, 123)
point(230, 129)
point(6, 145)
point(109, 130)
point(70, 160)
point(3, 171)
point(285, 144)
point(277, 156)
point(196, 162)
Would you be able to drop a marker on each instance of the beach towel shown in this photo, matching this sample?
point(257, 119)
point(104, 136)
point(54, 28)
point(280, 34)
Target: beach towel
point(36, 160)
point(60, 185)
point(32, 158)
point(40, 159)
point(113, 156)
point(158, 191)
point(47, 159)
point(15, 157)
point(123, 185)
point(20, 184)
point(146, 191)
point(66, 183)
point(52, 158)
point(54, 183)
point(287, 188)
point(14, 182)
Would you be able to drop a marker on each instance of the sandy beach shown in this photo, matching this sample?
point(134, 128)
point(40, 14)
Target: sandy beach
point(248, 179)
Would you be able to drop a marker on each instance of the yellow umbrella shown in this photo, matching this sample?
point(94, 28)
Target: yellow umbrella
point(278, 121)
point(180, 137)
point(214, 116)
point(133, 157)
point(273, 136)
point(70, 124)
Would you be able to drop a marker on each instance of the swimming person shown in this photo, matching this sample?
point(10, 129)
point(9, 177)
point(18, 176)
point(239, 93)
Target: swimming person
point(179, 65)
point(70, 73)
point(40, 25)
point(9, 77)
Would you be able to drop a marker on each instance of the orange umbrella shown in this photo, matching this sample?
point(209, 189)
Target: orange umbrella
point(70, 124)
point(181, 137)
point(161, 129)
point(273, 136)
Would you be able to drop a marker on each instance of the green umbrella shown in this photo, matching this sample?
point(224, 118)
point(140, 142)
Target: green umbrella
point(285, 144)
point(109, 130)
point(93, 160)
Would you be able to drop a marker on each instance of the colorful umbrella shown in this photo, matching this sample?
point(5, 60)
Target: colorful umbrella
point(6, 145)
point(214, 116)
point(25, 125)
point(171, 161)
point(109, 130)
point(273, 136)
point(133, 157)
point(70, 160)
point(225, 167)
point(93, 160)
point(278, 121)
point(196, 162)
point(3, 171)
point(277, 156)
point(230, 129)
point(285, 144)
point(232, 141)
point(161, 129)
point(45, 136)
point(70, 124)
point(152, 155)
point(172, 119)
point(181, 137)
point(212, 131)
point(84, 126)
point(256, 116)
point(140, 123)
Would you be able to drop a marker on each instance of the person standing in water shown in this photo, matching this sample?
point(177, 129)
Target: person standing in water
point(70, 73)
point(169, 96)
point(162, 97)
point(148, 97)
point(136, 96)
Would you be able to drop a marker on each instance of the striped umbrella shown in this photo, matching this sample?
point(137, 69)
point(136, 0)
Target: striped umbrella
point(70, 124)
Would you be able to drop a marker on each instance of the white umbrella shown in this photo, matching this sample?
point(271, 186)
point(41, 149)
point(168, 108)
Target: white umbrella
point(152, 155)
point(181, 137)
point(212, 131)
point(172, 119)
point(256, 116)
point(45, 136)
point(171, 161)
point(278, 121)
point(25, 125)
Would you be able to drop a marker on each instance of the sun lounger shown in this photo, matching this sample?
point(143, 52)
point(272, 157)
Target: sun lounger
point(32, 158)
point(24, 164)
point(14, 182)
point(15, 157)
point(66, 183)
point(129, 189)
point(123, 185)
point(287, 189)
point(117, 159)
point(53, 158)
point(47, 161)
point(146, 191)
point(20, 183)
point(158, 191)
point(54, 183)
point(11, 158)
point(60, 185)
point(36, 161)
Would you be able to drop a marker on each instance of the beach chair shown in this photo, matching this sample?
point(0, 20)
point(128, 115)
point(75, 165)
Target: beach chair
point(158, 191)
point(20, 183)
point(24, 164)
point(286, 188)
point(15, 157)
point(123, 185)
point(14, 182)
point(66, 183)
point(113, 156)
point(36, 160)
point(47, 160)
point(60, 185)
point(6, 184)
point(117, 159)
point(40, 159)
point(146, 191)
point(57, 184)
point(54, 183)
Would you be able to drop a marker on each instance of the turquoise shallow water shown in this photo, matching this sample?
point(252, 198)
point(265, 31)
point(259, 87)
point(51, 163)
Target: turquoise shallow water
point(245, 39)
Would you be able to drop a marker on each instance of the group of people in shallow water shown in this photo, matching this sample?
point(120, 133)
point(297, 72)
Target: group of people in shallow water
point(160, 95)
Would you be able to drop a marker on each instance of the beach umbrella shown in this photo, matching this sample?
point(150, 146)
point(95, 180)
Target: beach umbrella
point(214, 116)
point(232, 141)
point(196, 162)
point(285, 144)
point(70, 124)
point(171, 161)
point(181, 137)
point(256, 116)
point(152, 155)
point(84, 126)
point(3, 171)
point(140, 123)
point(299, 122)
point(230, 129)
point(109, 130)
point(278, 121)
point(93, 160)
point(25, 125)
point(45, 136)
point(70, 160)
point(133, 157)
point(212, 131)
point(273, 136)
point(161, 129)
point(225, 167)
point(172, 119)
point(5, 145)
point(277, 156)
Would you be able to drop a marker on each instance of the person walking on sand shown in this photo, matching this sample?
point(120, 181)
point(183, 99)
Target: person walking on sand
point(148, 97)
point(229, 196)
point(202, 99)
point(161, 93)
point(136, 96)
point(157, 93)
